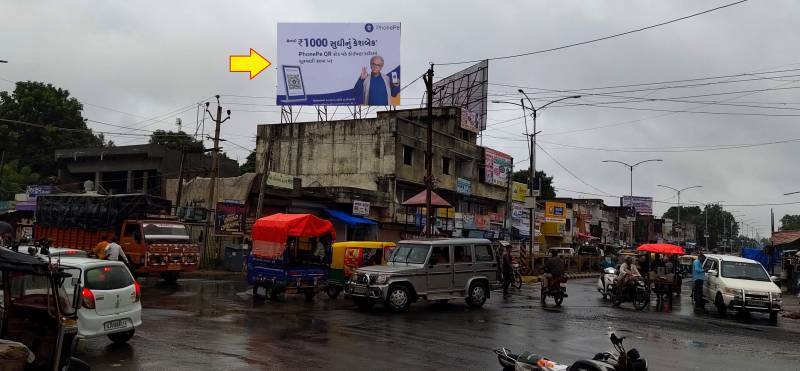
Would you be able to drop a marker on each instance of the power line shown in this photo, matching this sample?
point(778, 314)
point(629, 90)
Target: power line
point(597, 39)
point(571, 173)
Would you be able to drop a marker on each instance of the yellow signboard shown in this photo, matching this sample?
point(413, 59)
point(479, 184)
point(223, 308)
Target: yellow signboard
point(449, 213)
point(555, 212)
point(519, 191)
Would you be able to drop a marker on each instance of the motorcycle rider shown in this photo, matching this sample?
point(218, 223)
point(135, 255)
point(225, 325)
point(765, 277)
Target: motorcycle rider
point(553, 269)
point(627, 271)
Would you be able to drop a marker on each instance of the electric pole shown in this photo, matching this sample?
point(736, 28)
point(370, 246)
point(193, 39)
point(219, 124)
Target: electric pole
point(428, 78)
point(218, 120)
point(265, 173)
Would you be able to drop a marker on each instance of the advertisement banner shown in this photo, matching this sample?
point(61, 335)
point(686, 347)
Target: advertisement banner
point(468, 221)
point(446, 213)
point(519, 191)
point(555, 212)
point(496, 217)
point(34, 191)
point(517, 211)
point(360, 208)
point(468, 90)
point(230, 218)
point(339, 64)
point(642, 205)
point(482, 222)
point(463, 186)
point(497, 167)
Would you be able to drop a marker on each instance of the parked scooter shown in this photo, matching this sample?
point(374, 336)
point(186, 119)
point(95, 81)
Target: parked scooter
point(605, 283)
point(620, 360)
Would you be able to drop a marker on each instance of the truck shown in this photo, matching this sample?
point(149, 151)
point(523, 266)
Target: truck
point(154, 242)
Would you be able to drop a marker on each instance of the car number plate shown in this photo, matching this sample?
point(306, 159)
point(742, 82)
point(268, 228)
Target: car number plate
point(758, 303)
point(359, 289)
point(174, 267)
point(115, 324)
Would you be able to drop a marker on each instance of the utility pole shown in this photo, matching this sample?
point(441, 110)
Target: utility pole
point(265, 173)
point(214, 161)
point(428, 78)
point(180, 181)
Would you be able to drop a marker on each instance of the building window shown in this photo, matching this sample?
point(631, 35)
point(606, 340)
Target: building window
point(408, 155)
point(445, 166)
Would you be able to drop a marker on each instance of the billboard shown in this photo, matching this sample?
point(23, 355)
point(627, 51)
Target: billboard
point(360, 208)
point(642, 205)
point(466, 89)
point(519, 191)
point(339, 64)
point(555, 212)
point(230, 218)
point(463, 186)
point(497, 167)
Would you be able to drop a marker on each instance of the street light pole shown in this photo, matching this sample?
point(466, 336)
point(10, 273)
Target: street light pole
point(532, 158)
point(679, 201)
point(631, 194)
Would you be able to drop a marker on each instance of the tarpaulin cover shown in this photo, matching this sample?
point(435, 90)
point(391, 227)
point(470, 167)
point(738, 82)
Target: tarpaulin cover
point(270, 233)
point(757, 255)
point(96, 212)
point(14, 261)
point(419, 200)
point(348, 219)
point(662, 248)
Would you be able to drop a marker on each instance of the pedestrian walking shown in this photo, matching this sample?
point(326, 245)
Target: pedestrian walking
point(698, 275)
point(114, 251)
point(508, 269)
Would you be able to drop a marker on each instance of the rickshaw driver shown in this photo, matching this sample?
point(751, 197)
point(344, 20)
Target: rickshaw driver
point(627, 271)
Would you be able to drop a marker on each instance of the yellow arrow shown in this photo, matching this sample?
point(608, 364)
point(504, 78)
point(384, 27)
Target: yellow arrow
point(253, 63)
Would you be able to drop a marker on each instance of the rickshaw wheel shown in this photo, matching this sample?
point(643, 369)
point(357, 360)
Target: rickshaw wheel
point(332, 291)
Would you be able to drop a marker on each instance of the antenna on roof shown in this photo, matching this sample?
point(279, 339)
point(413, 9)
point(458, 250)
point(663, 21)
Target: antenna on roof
point(178, 122)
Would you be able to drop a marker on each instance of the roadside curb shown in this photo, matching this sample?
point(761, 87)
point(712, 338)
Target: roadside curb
point(212, 275)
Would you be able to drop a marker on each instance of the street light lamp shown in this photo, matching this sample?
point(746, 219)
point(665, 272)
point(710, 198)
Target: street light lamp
point(629, 166)
point(532, 153)
point(705, 232)
point(679, 200)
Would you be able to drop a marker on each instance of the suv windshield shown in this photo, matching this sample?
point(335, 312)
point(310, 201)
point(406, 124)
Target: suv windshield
point(411, 254)
point(164, 229)
point(110, 277)
point(744, 271)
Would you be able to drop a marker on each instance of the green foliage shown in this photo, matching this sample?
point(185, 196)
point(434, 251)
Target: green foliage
point(250, 165)
point(790, 222)
point(548, 192)
point(42, 104)
point(176, 140)
point(721, 224)
point(14, 179)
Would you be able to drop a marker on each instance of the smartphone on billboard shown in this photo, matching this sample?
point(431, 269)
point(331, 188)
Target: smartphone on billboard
point(293, 81)
point(395, 79)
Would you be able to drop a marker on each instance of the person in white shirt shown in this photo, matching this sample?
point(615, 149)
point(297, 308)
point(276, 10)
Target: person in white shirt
point(627, 271)
point(114, 251)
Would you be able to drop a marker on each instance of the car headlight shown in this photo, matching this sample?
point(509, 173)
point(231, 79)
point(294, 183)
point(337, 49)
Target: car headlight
point(382, 279)
point(776, 297)
point(731, 291)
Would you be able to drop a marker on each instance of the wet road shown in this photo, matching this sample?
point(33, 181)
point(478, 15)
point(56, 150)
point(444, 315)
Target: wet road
point(213, 325)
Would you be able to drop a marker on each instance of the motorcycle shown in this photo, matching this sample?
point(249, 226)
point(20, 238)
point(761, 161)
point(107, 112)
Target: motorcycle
point(620, 360)
point(605, 283)
point(557, 289)
point(635, 291)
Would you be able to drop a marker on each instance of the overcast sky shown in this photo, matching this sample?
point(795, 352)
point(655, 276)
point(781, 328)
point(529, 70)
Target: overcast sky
point(130, 61)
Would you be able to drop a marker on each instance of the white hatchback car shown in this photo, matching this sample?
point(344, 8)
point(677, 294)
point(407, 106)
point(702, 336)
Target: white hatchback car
point(740, 284)
point(111, 299)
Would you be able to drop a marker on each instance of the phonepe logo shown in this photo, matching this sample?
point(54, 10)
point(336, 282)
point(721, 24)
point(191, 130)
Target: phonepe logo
point(369, 27)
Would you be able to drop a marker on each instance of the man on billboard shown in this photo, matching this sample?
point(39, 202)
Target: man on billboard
point(374, 88)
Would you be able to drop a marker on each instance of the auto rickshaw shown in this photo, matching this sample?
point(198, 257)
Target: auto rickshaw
point(347, 256)
point(686, 262)
point(38, 312)
point(291, 254)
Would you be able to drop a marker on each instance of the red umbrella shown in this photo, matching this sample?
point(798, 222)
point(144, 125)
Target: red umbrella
point(662, 248)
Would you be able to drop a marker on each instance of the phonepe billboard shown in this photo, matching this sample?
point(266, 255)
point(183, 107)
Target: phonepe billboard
point(339, 64)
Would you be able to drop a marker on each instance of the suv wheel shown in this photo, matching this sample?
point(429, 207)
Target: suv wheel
point(399, 299)
point(121, 337)
point(477, 295)
point(720, 304)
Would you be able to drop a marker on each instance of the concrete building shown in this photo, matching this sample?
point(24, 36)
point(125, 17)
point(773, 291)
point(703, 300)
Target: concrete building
point(137, 168)
point(381, 161)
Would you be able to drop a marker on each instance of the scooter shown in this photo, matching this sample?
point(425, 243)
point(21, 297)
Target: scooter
point(636, 291)
point(620, 360)
point(557, 289)
point(605, 283)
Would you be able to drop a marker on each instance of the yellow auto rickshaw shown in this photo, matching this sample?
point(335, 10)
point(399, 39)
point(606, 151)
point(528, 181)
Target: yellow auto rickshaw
point(347, 256)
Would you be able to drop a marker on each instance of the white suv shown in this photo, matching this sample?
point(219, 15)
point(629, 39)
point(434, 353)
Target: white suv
point(740, 284)
point(110, 298)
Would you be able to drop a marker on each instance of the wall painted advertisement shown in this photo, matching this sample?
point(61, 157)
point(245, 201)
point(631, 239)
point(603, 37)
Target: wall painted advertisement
point(339, 64)
point(497, 166)
point(642, 205)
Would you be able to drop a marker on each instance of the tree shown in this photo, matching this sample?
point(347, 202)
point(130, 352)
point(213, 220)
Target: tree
point(14, 179)
point(176, 140)
point(547, 191)
point(250, 165)
point(721, 224)
point(47, 119)
point(790, 222)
